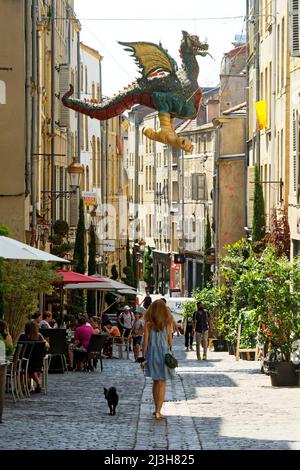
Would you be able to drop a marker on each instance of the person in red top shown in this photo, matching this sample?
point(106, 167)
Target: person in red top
point(82, 338)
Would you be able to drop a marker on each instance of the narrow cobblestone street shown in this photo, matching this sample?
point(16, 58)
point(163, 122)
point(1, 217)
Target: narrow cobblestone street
point(218, 404)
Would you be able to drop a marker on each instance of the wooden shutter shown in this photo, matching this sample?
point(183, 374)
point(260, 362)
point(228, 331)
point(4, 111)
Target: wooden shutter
point(64, 80)
point(294, 28)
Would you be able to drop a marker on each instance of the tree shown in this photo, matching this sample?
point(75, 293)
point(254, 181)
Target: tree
point(206, 271)
point(128, 270)
point(5, 232)
point(114, 272)
point(21, 285)
point(92, 268)
point(148, 269)
point(77, 297)
point(78, 257)
point(279, 237)
point(259, 220)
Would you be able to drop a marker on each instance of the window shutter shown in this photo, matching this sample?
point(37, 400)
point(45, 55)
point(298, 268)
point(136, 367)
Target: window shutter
point(294, 27)
point(251, 186)
point(295, 153)
point(64, 80)
point(198, 187)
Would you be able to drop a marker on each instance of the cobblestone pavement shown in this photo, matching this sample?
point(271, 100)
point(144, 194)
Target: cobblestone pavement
point(214, 404)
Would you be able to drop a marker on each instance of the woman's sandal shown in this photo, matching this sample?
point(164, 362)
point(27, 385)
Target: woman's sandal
point(159, 416)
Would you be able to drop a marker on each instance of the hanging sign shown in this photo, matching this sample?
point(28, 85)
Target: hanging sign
point(89, 199)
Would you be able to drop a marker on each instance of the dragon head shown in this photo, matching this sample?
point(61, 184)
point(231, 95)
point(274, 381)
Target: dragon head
point(193, 44)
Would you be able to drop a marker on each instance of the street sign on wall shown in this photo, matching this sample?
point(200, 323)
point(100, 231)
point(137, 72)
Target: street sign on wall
point(108, 245)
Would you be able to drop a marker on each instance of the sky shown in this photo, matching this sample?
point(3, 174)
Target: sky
point(106, 22)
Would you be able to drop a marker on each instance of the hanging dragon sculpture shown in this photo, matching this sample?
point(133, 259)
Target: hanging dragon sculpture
point(173, 92)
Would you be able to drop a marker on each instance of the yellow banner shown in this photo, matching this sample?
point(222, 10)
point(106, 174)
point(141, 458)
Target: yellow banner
point(261, 113)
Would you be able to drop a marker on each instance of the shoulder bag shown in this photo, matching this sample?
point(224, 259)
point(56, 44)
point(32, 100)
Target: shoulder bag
point(171, 361)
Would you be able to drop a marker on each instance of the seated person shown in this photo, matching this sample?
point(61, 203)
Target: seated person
point(82, 338)
point(104, 319)
point(4, 333)
point(47, 320)
point(95, 325)
point(31, 333)
point(113, 331)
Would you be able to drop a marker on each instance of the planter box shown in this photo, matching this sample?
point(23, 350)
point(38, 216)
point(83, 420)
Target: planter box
point(2, 387)
point(231, 349)
point(284, 374)
point(248, 356)
point(220, 345)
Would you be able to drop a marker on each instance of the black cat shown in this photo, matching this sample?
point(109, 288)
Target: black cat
point(112, 399)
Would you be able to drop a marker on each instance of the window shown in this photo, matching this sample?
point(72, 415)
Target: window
point(94, 160)
point(198, 187)
point(81, 77)
point(175, 191)
point(98, 162)
point(294, 27)
point(2, 92)
point(86, 80)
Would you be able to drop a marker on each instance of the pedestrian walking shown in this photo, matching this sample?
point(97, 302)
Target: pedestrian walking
point(201, 324)
point(137, 334)
point(147, 301)
point(157, 342)
point(188, 331)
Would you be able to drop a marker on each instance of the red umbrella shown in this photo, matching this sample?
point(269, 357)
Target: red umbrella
point(70, 277)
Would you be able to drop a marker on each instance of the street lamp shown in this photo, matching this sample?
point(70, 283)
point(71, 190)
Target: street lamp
point(75, 171)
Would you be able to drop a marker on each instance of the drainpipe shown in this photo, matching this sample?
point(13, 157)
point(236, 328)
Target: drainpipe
point(182, 225)
point(155, 232)
point(45, 157)
point(27, 95)
point(136, 169)
point(273, 107)
point(257, 76)
point(246, 159)
point(34, 120)
point(120, 186)
point(102, 168)
point(53, 71)
point(216, 197)
point(79, 117)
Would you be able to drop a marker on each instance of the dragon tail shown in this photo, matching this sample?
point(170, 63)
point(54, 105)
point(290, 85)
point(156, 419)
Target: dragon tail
point(109, 108)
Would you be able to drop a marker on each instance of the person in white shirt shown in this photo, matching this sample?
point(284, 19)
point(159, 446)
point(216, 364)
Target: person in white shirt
point(47, 318)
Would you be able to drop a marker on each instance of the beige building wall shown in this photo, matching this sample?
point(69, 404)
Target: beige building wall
point(275, 138)
point(294, 160)
point(230, 190)
point(14, 205)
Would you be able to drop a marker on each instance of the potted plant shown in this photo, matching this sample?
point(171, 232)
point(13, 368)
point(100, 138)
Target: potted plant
point(273, 292)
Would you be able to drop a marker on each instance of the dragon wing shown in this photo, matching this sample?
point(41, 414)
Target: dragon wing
point(150, 57)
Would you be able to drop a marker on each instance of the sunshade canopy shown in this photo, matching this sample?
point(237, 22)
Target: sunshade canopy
point(70, 277)
point(13, 249)
point(107, 284)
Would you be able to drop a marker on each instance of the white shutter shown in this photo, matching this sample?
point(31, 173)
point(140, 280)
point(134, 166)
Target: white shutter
point(295, 154)
point(294, 27)
point(251, 186)
point(64, 81)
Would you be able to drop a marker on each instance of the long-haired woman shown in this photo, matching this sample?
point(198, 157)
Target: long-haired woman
point(157, 342)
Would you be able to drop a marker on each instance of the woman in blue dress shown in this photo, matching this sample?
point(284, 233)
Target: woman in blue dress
point(157, 342)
